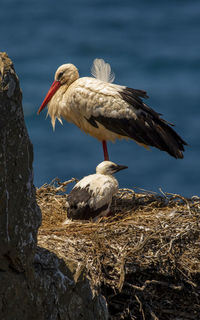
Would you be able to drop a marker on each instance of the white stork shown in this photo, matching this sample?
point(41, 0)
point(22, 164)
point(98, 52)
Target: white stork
point(91, 197)
point(108, 111)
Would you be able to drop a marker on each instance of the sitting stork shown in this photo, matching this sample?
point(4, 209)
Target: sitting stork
point(108, 111)
point(91, 197)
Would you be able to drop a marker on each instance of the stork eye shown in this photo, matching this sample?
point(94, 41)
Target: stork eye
point(112, 167)
point(60, 75)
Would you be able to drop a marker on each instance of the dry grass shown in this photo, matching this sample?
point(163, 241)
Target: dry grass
point(145, 258)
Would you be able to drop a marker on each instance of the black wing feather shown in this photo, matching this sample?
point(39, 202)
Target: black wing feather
point(79, 208)
point(148, 128)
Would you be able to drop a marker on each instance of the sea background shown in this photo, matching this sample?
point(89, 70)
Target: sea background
point(151, 45)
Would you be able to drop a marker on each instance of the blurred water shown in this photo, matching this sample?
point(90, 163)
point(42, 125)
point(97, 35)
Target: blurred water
point(151, 45)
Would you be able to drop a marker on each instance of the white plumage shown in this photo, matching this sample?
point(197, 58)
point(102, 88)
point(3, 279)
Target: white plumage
point(91, 197)
point(108, 111)
point(102, 71)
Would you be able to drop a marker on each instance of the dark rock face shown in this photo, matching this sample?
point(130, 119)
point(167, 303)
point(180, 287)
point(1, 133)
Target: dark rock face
point(34, 283)
point(20, 216)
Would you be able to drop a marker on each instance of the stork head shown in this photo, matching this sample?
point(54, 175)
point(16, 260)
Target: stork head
point(109, 168)
point(65, 75)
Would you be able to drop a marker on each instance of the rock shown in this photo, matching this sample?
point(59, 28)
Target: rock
point(20, 216)
point(34, 282)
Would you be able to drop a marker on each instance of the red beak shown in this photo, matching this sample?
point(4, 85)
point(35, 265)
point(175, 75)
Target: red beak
point(54, 87)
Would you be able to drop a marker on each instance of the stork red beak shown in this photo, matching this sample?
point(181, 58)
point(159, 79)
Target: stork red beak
point(54, 87)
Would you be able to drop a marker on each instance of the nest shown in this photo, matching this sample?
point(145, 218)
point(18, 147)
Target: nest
point(144, 258)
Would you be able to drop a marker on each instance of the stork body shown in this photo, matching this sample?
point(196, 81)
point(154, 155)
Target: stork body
point(108, 111)
point(91, 197)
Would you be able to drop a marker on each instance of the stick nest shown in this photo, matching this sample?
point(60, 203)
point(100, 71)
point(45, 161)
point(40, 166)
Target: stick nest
point(145, 258)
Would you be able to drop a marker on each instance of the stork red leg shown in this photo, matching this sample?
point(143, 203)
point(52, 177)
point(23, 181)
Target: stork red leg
point(105, 150)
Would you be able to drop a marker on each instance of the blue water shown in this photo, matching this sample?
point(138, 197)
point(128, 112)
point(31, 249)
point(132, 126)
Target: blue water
point(151, 45)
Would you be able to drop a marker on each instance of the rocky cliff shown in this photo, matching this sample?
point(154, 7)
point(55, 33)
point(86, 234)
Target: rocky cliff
point(34, 282)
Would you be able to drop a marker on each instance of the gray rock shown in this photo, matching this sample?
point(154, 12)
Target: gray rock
point(34, 282)
point(20, 216)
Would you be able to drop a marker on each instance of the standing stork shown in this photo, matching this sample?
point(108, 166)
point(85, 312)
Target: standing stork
point(108, 111)
point(91, 197)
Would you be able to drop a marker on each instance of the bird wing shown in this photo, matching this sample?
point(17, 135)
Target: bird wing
point(93, 97)
point(90, 196)
point(79, 208)
point(122, 111)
